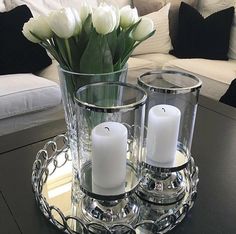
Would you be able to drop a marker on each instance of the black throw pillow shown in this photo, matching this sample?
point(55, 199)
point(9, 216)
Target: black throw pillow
point(229, 97)
point(17, 54)
point(203, 38)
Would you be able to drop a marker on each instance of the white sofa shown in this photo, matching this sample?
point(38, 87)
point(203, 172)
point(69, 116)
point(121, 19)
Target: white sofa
point(34, 99)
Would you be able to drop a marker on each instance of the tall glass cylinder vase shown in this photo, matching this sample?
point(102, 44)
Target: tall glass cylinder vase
point(110, 119)
point(170, 118)
point(70, 82)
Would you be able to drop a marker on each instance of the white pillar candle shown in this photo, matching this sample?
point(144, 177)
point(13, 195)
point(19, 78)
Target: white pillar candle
point(162, 135)
point(109, 149)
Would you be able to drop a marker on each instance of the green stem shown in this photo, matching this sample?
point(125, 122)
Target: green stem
point(76, 38)
point(55, 47)
point(51, 49)
point(68, 52)
point(60, 44)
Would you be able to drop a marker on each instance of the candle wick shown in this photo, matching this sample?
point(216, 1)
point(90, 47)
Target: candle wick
point(108, 129)
point(163, 109)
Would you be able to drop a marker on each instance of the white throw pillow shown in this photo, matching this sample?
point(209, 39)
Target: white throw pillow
point(39, 7)
point(208, 7)
point(160, 42)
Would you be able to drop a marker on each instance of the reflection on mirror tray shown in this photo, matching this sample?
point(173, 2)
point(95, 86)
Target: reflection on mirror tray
point(57, 189)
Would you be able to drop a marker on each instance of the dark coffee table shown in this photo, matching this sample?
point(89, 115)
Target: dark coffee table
point(214, 151)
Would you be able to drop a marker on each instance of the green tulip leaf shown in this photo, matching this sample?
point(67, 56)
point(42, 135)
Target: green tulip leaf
point(97, 57)
point(112, 42)
point(117, 65)
point(125, 44)
point(78, 45)
point(61, 44)
point(87, 26)
point(120, 48)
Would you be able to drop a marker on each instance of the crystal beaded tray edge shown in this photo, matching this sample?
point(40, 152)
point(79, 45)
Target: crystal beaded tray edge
point(52, 181)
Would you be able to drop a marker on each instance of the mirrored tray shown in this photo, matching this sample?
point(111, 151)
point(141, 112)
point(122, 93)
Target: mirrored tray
point(52, 182)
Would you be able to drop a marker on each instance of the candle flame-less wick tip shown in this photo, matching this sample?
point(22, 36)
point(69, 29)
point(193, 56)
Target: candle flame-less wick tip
point(163, 109)
point(108, 129)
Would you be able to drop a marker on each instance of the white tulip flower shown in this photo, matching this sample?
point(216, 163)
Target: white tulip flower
point(62, 22)
point(26, 31)
point(113, 4)
point(128, 16)
point(104, 19)
point(39, 27)
point(85, 10)
point(78, 22)
point(117, 12)
point(145, 27)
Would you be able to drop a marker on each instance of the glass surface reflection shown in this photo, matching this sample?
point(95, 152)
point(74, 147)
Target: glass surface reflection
point(57, 189)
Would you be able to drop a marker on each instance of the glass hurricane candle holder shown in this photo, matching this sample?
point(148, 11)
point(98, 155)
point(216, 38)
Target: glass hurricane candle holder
point(110, 122)
point(169, 124)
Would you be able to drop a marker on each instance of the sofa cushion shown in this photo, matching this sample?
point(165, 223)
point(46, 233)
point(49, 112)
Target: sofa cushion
point(50, 72)
point(138, 66)
point(25, 93)
point(39, 7)
point(159, 60)
point(17, 54)
point(222, 71)
point(203, 38)
point(160, 42)
point(208, 7)
point(215, 75)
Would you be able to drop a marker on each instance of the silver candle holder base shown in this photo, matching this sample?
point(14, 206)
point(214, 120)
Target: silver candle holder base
point(109, 213)
point(164, 185)
point(163, 188)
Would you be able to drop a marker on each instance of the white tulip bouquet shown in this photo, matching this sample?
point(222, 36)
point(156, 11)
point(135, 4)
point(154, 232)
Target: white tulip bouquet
point(93, 41)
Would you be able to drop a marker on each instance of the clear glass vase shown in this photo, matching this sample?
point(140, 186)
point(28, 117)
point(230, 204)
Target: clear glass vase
point(70, 82)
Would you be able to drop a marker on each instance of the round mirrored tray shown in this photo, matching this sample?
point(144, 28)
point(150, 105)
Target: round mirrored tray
point(52, 185)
